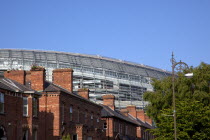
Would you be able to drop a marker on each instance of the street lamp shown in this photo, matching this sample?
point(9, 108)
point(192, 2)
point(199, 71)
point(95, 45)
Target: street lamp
point(181, 66)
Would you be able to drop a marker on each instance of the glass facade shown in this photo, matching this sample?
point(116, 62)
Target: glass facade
point(126, 80)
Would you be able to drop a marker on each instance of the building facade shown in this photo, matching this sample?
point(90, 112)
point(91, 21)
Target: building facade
point(127, 81)
point(61, 112)
point(19, 113)
point(126, 124)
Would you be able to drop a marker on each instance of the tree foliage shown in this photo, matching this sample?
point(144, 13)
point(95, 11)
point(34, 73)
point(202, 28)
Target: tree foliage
point(192, 105)
point(66, 137)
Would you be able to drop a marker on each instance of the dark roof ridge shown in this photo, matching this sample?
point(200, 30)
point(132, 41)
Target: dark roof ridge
point(17, 87)
point(61, 89)
point(108, 112)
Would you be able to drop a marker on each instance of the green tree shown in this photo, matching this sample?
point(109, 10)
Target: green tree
point(192, 105)
point(66, 137)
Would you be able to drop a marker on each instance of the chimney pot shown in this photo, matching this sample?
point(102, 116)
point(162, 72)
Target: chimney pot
point(63, 78)
point(132, 110)
point(141, 115)
point(16, 75)
point(109, 100)
point(84, 92)
point(124, 111)
point(37, 78)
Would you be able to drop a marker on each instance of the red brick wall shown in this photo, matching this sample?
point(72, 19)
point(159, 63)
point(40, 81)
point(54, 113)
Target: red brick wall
point(49, 122)
point(37, 79)
point(132, 110)
point(108, 100)
point(141, 115)
point(117, 127)
point(148, 119)
point(13, 119)
point(52, 104)
point(63, 78)
point(16, 75)
point(84, 93)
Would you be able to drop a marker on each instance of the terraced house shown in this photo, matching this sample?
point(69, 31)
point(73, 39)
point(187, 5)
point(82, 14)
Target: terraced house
point(61, 112)
point(19, 112)
point(50, 110)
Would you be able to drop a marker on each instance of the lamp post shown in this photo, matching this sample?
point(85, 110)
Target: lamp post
point(181, 66)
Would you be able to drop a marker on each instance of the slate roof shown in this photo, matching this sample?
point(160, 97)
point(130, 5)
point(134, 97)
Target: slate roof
point(108, 112)
point(140, 122)
point(14, 86)
point(51, 87)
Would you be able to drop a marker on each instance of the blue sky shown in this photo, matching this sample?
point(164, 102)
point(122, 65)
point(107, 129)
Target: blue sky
point(142, 31)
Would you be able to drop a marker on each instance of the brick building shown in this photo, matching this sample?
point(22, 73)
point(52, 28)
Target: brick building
point(126, 124)
point(143, 121)
point(118, 125)
point(50, 110)
point(18, 111)
point(61, 112)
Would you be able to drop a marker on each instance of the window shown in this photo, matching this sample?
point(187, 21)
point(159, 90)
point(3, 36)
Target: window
point(78, 115)
point(25, 135)
point(1, 102)
point(98, 120)
point(62, 112)
point(110, 74)
point(122, 76)
point(91, 117)
point(98, 71)
point(120, 128)
point(86, 116)
point(34, 134)
point(74, 137)
point(115, 129)
point(2, 133)
point(105, 125)
point(126, 130)
point(70, 113)
point(25, 106)
point(35, 107)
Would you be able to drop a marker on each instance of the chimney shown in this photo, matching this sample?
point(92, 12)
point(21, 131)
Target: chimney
point(148, 119)
point(16, 75)
point(63, 78)
point(124, 111)
point(37, 77)
point(140, 115)
point(108, 100)
point(28, 76)
point(84, 92)
point(132, 110)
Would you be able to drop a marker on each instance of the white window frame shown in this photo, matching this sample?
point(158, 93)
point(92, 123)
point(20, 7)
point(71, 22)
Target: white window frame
point(25, 106)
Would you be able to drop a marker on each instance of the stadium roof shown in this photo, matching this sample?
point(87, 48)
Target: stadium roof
point(92, 61)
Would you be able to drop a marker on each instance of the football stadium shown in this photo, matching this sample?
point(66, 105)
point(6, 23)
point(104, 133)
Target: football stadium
point(102, 75)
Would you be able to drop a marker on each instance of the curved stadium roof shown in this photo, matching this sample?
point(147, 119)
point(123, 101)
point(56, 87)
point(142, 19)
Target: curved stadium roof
point(92, 61)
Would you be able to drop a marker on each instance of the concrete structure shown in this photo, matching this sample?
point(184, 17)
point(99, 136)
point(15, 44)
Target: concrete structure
point(126, 80)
